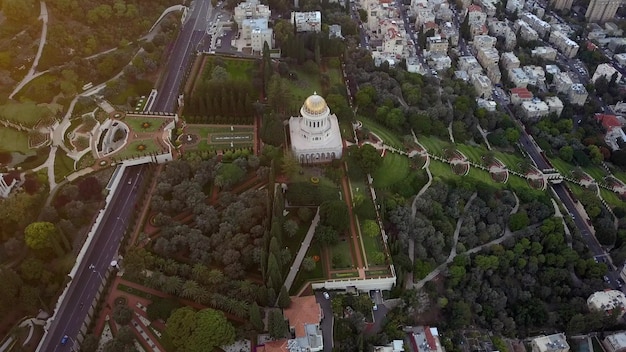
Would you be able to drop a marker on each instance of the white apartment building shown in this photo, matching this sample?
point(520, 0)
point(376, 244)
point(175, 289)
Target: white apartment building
point(544, 52)
point(444, 13)
point(578, 94)
point(482, 84)
point(508, 61)
point(436, 45)
point(613, 29)
point(542, 27)
point(620, 58)
point(470, 65)
point(484, 42)
point(615, 342)
point(497, 28)
point(525, 31)
point(486, 104)
point(307, 21)
point(439, 62)
point(616, 43)
point(607, 301)
point(555, 105)
point(536, 75)
point(518, 77)
point(535, 109)
point(476, 15)
point(488, 57)
point(565, 45)
point(489, 6)
point(250, 24)
point(514, 6)
point(562, 82)
point(552, 69)
point(424, 15)
point(562, 4)
point(394, 41)
point(551, 343)
point(602, 10)
point(450, 33)
point(494, 74)
point(260, 36)
point(607, 71)
point(251, 9)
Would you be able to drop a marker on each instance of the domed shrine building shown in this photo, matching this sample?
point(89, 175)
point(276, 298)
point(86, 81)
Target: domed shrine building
point(315, 134)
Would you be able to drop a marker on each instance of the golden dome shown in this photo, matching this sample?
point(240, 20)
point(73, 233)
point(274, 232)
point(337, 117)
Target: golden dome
point(315, 105)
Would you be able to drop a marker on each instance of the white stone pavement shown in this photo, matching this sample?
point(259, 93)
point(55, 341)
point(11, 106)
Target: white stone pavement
point(302, 252)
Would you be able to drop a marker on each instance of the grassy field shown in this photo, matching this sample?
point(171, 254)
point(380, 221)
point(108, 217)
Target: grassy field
point(434, 145)
point(596, 172)
point(13, 141)
point(131, 150)
point(395, 168)
point(620, 175)
point(565, 168)
point(344, 253)
point(511, 160)
point(372, 246)
point(473, 154)
point(141, 87)
point(238, 69)
point(388, 137)
point(303, 87)
point(611, 198)
point(26, 113)
point(136, 124)
point(63, 165)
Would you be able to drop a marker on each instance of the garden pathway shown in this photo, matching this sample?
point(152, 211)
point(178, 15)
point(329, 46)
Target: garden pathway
point(484, 134)
point(42, 41)
point(295, 267)
point(458, 226)
point(356, 239)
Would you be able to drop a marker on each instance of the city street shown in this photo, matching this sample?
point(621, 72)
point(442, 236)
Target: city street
point(90, 275)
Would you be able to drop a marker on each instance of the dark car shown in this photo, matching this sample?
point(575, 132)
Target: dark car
point(64, 339)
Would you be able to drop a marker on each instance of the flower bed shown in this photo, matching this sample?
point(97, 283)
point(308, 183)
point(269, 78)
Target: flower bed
point(460, 168)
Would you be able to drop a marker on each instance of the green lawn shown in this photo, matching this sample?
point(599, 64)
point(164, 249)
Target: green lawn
point(576, 189)
point(434, 145)
point(372, 246)
point(511, 160)
point(619, 175)
point(388, 137)
point(596, 172)
point(131, 149)
point(394, 168)
point(63, 165)
point(305, 276)
point(565, 168)
point(136, 124)
point(238, 69)
point(141, 87)
point(13, 141)
point(343, 253)
point(473, 154)
point(611, 198)
point(303, 87)
point(294, 242)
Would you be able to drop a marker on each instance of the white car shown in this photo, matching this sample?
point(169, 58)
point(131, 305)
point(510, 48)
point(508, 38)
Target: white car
point(375, 307)
point(326, 295)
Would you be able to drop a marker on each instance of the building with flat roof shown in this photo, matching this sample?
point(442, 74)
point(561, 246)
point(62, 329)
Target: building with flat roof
point(469, 64)
point(544, 52)
point(562, 4)
point(509, 61)
point(542, 27)
point(535, 109)
point(425, 339)
point(607, 71)
point(488, 57)
point(551, 343)
point(484, 42)
point(525, 31)
point(520, 95)
point(565, 45)
point(482, 84)
point(578, 94)
point(394, 346)
point(518, 77)
point(615, 342)
point(602, 10)
point(307, 21)
point(555, 105)
point(251, 9)
point(304, 316)
point(607, 301)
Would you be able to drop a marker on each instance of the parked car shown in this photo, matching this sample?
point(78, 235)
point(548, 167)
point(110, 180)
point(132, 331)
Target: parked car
point(326, 295)
point(64, 339)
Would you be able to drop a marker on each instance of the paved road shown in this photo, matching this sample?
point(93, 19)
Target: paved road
point(103, 249)
point(327, 322)
point(306, 243)
point(194, 29)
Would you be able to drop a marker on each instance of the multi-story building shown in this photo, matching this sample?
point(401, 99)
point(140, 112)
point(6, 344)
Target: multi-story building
point(508, 61)
point(525, 31)
point(469, 64)
point(555, 105)
point(488, 57)
point(489, 6)
point(444, 13)
point(562, 4)
point(494, 74)
point(450, 33)
point(260, 36)
point(578, 94)
point(615, 342)
point(424, 15)
point(607, 71)
point(617, 44)
point(520, 95)
point(307, 21)
point(486, 104)
point(436, 45)
point(565, 45)
point(303, 317)
point(551, 343)
point(620, 58)
point(535, 109)
point(482, 84)
point(250, 24)
point(536, 75)
point(607, 301)
point(439, 62)
point(484, 42)
point(394, 41)
point(544, 52)
point(518, 77)
point(613, 29)
point(542, 27)
point(425, 339)
point(562, 82)
point(249, 10)
point(552, 69)
point(514, 6)
point(476, 15)
point(602, 10)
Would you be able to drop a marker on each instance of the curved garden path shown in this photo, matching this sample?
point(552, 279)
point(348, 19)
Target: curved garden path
point(42, 41)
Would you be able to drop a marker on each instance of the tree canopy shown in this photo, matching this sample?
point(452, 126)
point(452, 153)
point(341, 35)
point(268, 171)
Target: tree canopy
point(199, 331)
